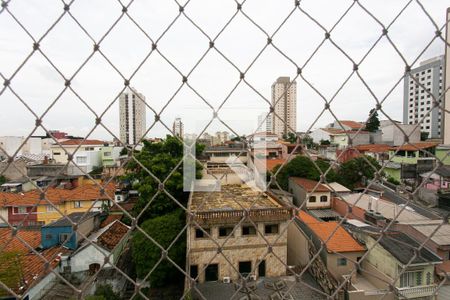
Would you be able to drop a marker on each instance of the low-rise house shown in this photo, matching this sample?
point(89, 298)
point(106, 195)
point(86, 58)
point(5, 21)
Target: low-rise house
point(412, 153)
point(62, 231)
point(215, 216)
point(109, 241)
point(315, 194)
point(110, 155)
point(22, 270)
point(32, 208)
point(437, 179)
point(339, 256)
point(19, 185)
point(337, 189)
point(61, 150)
point(397, 260)
point(380, 152)
point(342, 250)
point(437, 237)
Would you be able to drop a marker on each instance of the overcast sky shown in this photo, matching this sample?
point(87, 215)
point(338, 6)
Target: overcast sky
point(67, 46)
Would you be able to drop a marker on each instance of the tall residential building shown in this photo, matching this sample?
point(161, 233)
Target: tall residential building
point(446, 117)
point(178, 128)
point(417, 101)
point(284, 101)
point(132, 116)
point(264, 124)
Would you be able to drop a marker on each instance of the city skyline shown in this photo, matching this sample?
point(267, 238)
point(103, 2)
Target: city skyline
point(98, 84)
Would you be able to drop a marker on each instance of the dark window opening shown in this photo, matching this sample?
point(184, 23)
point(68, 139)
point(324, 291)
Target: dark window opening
point(271, 229)
point(248, 230)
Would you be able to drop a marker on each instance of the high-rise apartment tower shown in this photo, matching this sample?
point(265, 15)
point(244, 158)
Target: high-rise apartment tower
point(178, 128)
point(418, 100)
point(132, 116)
point(284, 101)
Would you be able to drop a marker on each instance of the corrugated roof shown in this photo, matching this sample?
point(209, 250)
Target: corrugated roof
point(309, 185)
point(402, 247)
point(338, 239)
point(76, 217)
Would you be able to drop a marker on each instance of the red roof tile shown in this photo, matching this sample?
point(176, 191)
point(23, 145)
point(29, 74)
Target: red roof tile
point(416, 146)
point(110, 218)
point(76, 142)
point(113, 235)
point(10, 243)
point(352, 124)
point(374, 148)
point(57, 195)
point(338, 239)
point(310, 185)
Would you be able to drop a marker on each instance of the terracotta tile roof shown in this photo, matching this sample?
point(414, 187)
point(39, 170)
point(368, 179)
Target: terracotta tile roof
point(341, 131)
point(28, 269)
point(113, 235)
point(270, 163)
point(76, 142)
point(110, 218)
point(352, 124)
point(9, 243)
point(57, 196)
point(416, 146)
point(340, 241)
point(375, 148)
point(309, 185)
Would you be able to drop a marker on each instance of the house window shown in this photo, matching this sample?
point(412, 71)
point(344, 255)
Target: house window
point(341, 261)
point(248, 230)
point(194, 272)
point(77, 204)
point(428, 279)
point(312, 198)
point(56, 153)
point(50, 208)
point(200, 234)
point(81, 160)
point(410, 279)
point(48, 236)
point(22, 210)
point(323, 198)
point(271, 229)
point(107, 154)
point(225, 231)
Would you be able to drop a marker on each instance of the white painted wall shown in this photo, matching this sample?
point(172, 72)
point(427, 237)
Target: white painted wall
point(80, 261)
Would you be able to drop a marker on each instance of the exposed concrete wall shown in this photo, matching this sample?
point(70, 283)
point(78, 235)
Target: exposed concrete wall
point(336, 270)
point(297, 245)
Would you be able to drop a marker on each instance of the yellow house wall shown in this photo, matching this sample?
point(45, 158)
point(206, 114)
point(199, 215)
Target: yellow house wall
point(67, 208)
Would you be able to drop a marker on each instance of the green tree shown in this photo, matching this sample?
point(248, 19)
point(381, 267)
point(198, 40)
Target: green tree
point(146, 254)
point(353, 171)
point(302, 166)
point(104, 291)
point(290, 137)
point(308, 142)
point(423, 136)
point(160, 158)
point(373, 124)
point(2, 180)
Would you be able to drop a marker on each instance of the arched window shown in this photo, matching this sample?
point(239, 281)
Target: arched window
point(323, 198)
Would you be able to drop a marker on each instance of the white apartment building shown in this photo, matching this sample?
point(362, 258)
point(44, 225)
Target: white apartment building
point(264, 124)
point(284, 101)
point(132, 116)
point(418, 100)
point(446, 117)
point(178, 128)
